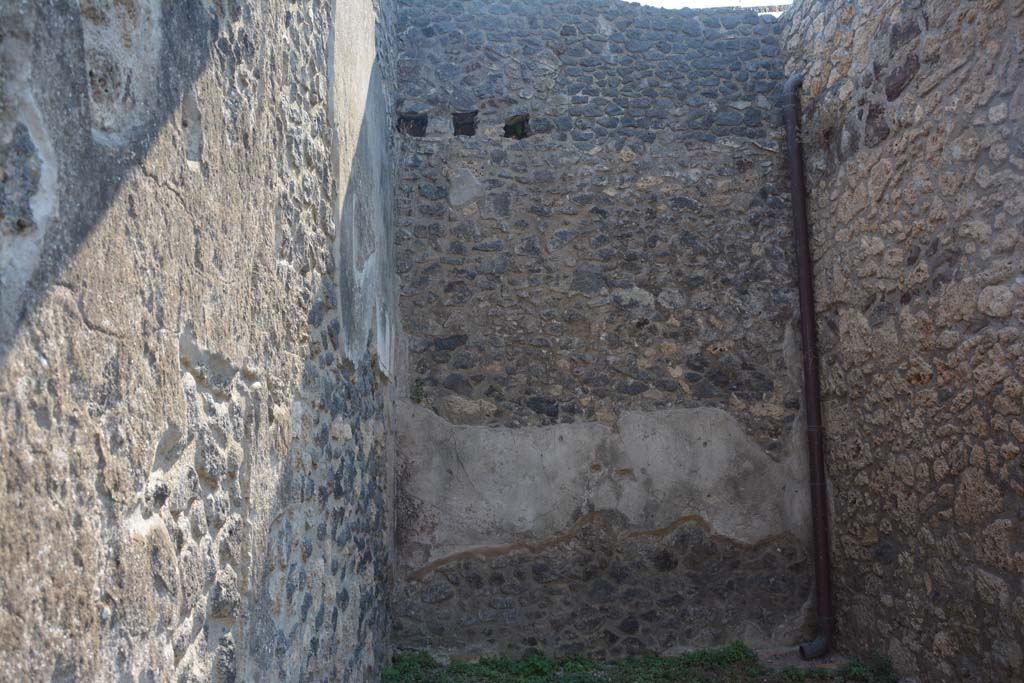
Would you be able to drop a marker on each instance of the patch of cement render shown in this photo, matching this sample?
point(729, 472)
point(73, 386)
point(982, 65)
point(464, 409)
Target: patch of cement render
point(363, 208)
point(122, 46)
point(472, 487)
point(22, 125)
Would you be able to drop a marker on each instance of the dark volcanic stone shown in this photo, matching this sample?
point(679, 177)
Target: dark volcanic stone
point(899, 79)
point(543, 405)
point(587, 279)
point(450, 343)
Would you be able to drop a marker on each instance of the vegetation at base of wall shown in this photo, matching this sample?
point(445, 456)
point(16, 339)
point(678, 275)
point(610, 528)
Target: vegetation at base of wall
point(418, 391)
point(735, 663)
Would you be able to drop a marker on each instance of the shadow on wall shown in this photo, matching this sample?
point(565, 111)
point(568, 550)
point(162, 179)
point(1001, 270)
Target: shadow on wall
point(319, 608)
point(365, 213)
point(200, 484)
point(130, 68)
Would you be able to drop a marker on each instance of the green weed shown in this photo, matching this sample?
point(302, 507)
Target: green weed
point(735, 663)
point(418, 392)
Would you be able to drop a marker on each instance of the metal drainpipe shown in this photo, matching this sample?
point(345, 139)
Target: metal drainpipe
point(812, 390)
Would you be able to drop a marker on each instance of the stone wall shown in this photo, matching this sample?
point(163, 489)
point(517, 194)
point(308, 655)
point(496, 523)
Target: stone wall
point(600, 435)
point(914, 123)
point(631, 253)
point(669, 530)
point(600, 318)
point(194, 459)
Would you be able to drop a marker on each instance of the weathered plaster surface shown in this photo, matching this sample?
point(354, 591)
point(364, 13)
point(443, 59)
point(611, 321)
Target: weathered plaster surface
point(469, 487)
point(194, 453)
point(364, 209)
point(914, 125)
point(582, 537)
point(600, 322)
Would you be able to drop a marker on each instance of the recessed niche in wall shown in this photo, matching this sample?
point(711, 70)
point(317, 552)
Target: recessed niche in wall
point(413, 124)
point(517, 126)
point(464, 123)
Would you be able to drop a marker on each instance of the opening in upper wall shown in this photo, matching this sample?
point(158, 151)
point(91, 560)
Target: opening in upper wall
point(413, 124)
point(775, 7)
point(517, 126)
point(464, 123)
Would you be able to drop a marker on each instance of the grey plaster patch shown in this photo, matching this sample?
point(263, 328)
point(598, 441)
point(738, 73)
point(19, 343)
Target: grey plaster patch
point(465, 188)
point(364, 210)
point(465, 487)
point(122, 47)
point(29, 198)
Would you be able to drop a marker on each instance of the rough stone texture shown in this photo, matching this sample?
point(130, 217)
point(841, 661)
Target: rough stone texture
point(607, 590)
point(633, 252)
point(601, 315)
point(198, 331)
point(481, 509)
point(914, 125)
point(194, 459)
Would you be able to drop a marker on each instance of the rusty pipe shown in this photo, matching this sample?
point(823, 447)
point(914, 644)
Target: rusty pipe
point(812, 387)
